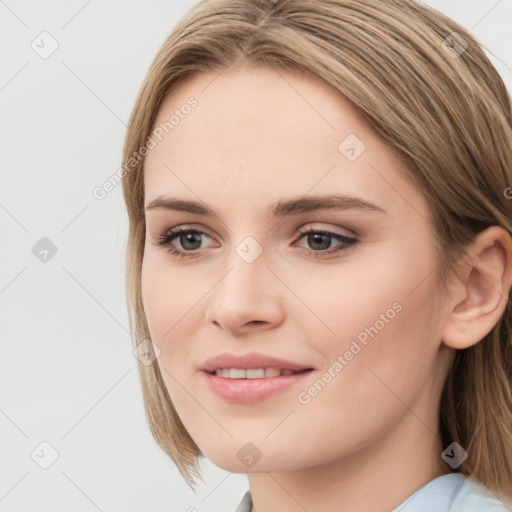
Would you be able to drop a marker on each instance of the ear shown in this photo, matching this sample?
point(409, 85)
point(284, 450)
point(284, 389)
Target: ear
point(481, 293)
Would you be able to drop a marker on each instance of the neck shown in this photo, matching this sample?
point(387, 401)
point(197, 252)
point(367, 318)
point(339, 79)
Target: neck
point(377, 477)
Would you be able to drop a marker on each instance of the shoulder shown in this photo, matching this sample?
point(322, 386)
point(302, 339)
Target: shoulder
point(452, 492)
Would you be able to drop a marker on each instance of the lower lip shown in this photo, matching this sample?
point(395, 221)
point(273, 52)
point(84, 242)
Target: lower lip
point(252, 390)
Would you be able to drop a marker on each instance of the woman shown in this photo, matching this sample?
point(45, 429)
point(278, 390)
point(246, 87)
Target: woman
point(320, 255)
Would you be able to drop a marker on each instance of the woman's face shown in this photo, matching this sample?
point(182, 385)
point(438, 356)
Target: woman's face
point(357, 310)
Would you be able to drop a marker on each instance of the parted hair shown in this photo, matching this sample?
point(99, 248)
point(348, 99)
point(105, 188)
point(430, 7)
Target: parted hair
point(427, 88)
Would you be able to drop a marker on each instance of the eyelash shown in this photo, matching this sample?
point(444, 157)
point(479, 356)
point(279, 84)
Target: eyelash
point(166, 239)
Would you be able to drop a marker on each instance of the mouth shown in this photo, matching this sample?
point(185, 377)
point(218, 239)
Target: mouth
point(255, 373)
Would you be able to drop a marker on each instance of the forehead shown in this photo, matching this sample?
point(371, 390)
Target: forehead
point(264, 134)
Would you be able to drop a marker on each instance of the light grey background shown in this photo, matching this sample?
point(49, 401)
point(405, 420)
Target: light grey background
point(67, 373)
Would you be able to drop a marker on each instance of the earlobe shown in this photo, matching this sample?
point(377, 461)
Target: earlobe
point(482, 292)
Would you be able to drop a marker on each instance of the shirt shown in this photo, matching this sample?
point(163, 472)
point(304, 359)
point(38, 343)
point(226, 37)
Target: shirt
point(446, 493)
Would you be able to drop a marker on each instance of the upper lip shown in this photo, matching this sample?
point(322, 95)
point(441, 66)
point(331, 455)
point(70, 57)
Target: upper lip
point(252, 360)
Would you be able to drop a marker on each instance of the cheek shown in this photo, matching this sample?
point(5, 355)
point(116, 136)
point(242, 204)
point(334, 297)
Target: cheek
point(380, 359)
point(167, 301)
point(376, 322)
point(169, 294)
point(367, 290)
point(156, 295)
point(173, 298)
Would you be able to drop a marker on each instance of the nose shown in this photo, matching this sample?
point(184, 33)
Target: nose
point(247, 298)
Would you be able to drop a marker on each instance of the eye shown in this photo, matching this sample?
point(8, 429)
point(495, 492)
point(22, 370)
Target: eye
point(321, 240)
point(190, 240)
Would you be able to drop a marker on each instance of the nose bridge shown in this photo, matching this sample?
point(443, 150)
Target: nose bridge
point(244, 283)
point(245, 293)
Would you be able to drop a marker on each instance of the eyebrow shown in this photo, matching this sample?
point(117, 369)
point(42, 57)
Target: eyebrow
point(282, 208)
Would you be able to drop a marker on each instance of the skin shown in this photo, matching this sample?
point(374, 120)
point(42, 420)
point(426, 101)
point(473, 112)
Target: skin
point(256, 137)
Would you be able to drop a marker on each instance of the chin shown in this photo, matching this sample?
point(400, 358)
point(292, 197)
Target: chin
point(249, 458)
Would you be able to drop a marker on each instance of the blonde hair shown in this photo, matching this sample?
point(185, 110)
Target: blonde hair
point(448, 115)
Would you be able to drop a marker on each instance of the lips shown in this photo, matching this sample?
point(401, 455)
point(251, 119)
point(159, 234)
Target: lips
point(252, 360)
point(250, 391)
